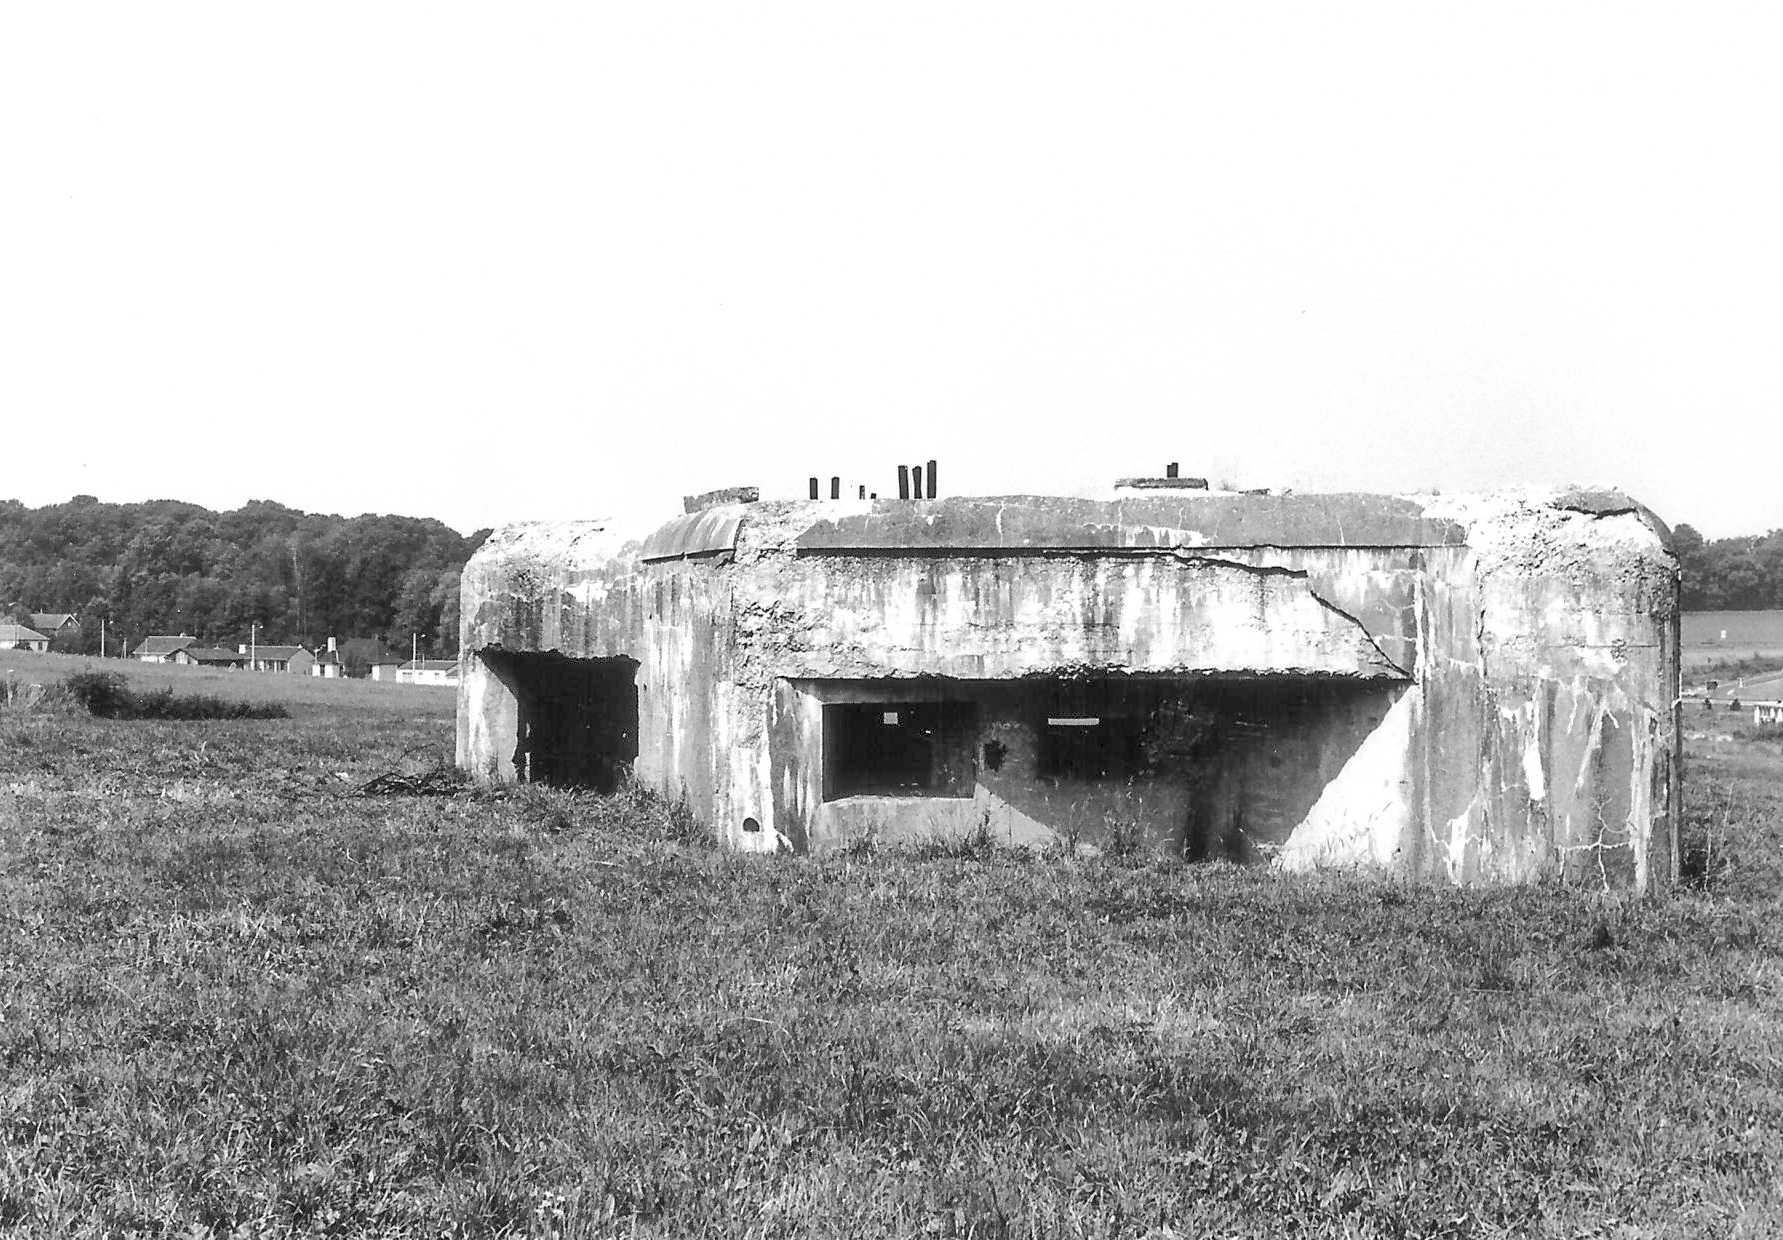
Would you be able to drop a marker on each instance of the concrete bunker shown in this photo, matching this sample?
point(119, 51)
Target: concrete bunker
point(574, 721)
point(1473, 688)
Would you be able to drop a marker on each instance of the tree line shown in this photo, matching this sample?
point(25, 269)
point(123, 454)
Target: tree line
point(1731, 574)
point(165, 566)
point(287, 576)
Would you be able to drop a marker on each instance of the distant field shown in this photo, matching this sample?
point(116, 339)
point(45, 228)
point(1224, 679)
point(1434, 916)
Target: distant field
point(302, 695)
point(1734, 629)
point(1731, 642)
point(237, 999)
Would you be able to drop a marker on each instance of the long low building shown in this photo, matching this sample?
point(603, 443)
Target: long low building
point(1481, 689)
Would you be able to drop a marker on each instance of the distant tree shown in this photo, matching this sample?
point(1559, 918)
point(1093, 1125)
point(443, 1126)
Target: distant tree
point(445, 597)
point(165, 566)
point(1693, 562)
point(359, 653)
point(417, 609)
point(1743, 573)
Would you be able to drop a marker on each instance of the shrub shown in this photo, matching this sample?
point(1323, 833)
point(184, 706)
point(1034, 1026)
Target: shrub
point(105, 694)
point(109, 696)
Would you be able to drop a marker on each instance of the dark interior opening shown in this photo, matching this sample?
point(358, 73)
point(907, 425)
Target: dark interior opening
point(1093, 728)
point(1092, 746)
point(898, 749)
point(1249, 754)
point(578, 719)
point(1222, 766)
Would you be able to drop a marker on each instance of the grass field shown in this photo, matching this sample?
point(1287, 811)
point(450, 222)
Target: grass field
point(238, 1000)
point(1742, 642)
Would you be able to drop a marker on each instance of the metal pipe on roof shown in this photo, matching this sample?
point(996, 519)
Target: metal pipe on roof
point(903, 482)
point(814, 488)
point(931, 486)
point(916, 481)
point(835, 488)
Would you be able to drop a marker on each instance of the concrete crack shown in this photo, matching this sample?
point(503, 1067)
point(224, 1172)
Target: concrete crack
point(1276, 570)
point(1261, 570)
point(1328, 605)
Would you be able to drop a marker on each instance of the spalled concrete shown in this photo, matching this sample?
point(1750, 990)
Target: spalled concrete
point(1479, 689)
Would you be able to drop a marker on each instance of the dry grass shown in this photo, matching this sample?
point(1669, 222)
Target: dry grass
point(238, 1001)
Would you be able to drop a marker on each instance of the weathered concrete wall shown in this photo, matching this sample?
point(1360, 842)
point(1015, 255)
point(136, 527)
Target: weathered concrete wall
point(1542, 736)
point(1485, 686)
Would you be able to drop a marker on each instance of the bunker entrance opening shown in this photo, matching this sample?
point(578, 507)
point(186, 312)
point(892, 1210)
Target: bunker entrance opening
point(577, 719)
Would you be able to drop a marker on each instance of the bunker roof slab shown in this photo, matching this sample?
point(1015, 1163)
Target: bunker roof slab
point(1030, 523)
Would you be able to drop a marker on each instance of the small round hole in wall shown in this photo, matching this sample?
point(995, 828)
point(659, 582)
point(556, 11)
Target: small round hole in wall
point(751, 825)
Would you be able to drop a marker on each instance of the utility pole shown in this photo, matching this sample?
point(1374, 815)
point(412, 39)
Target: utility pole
point(253, 645)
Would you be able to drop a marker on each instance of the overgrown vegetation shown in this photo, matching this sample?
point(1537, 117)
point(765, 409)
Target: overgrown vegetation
point(240, 1000)
point(109, 696)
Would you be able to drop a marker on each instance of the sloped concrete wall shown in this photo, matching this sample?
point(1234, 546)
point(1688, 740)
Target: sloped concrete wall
point(1542, 737)
point(1522, 654)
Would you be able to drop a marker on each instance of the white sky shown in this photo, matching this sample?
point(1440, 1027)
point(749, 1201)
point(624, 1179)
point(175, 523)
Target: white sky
point(512, 261)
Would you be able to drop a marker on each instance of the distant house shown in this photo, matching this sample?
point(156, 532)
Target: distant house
point(428, 672)
point(55, 624)
point(385, 667)
point(329, 664)
point(292, 660)
point(214, 656)
point(165, 649)
point(19, 637)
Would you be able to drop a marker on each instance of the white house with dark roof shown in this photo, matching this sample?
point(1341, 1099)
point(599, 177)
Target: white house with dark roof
point(428, 672)
point(21, 637)
point(293, 660)
point(164, 648)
